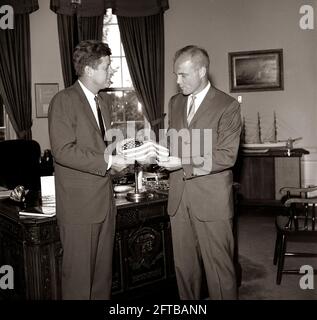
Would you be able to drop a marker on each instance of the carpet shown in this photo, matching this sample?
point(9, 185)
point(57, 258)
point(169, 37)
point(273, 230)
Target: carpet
point(256, 240)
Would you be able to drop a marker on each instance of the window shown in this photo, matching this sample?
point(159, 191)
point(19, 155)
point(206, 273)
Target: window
point(125, 105)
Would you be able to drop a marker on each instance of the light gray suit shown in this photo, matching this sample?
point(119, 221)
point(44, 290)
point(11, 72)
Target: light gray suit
point(84, 195)
point(200, 204)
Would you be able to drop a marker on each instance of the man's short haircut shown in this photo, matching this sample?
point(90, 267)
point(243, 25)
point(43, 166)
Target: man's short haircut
point(88, 53)
point(196, 53)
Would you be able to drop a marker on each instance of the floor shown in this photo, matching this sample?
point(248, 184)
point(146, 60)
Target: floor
point(256, 247)
point(256, 240)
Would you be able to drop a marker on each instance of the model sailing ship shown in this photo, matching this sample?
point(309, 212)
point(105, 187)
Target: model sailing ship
point(258, 142)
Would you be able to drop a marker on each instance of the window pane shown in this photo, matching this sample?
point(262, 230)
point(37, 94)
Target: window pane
point(118, 114)
point(130, 101)
point(109, 17)
point(127, 82)
point(112, 38)
point(117, 76)
point(126, 109)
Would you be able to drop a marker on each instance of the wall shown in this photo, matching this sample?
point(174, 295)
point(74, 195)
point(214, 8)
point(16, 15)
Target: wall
point(46, 63)
point(223, 26)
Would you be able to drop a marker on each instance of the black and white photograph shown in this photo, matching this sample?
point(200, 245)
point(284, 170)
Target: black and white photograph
point(160, 154)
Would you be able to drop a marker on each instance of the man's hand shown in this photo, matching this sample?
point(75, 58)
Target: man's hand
point(119, 163)
point(172, 164)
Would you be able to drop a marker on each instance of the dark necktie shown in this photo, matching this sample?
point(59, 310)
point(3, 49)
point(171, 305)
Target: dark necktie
point(100, 120)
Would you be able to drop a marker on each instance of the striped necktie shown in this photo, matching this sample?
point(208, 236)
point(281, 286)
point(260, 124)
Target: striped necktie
point(191, 111)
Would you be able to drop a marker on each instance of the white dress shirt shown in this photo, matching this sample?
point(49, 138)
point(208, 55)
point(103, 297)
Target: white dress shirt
point(199, 98)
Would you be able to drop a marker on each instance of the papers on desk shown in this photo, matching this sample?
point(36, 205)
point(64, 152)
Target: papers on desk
point(48, 190)
point(47, 209)
point(41, 211)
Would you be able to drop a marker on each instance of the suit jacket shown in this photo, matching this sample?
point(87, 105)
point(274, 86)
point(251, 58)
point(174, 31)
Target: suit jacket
point(84, 191)
point(210, 187)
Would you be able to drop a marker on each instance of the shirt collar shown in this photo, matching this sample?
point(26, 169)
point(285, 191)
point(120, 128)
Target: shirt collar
point(201, 95)
point(87, 92)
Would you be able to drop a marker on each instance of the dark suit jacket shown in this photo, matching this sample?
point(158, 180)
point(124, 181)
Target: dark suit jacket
point(83, 187)
point(209, 189)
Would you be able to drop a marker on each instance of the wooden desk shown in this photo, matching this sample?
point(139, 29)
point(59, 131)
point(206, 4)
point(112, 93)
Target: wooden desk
point(142, 254)
point(261, 175)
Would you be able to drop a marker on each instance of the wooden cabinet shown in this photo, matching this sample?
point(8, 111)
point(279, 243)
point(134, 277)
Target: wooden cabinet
point(261, 175)
point(142, 254)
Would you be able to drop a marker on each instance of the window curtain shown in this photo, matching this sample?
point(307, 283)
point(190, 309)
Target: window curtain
point(71, 30)
point(143, 43)
point(141, 24)
point(15, 68)
point(73, 27)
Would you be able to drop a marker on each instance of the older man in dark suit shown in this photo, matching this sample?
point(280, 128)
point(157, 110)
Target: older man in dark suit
point(200, 201)
point(78, 120)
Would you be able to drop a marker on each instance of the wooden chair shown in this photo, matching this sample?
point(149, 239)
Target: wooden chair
point(295, 224)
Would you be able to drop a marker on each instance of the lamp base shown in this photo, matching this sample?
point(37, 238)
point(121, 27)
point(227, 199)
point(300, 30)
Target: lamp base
point(137, 197)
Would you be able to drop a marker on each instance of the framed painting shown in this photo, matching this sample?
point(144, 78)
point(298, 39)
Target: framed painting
point(256, 70)
point(44, 92)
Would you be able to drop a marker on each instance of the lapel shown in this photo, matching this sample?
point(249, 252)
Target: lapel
point(86, 106)
point(204, 107)
point(181, 112)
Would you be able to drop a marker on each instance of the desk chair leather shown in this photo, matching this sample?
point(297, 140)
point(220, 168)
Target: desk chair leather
point(297, 224)
point(20, 164)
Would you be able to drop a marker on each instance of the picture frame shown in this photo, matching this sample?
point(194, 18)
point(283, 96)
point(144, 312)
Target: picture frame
point(258, 70)
point(44, 92)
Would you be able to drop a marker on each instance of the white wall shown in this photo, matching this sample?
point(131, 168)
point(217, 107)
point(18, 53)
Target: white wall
point(46, 63)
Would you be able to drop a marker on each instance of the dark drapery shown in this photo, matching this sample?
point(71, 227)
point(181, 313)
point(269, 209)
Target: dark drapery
point(125, 8)
point(68, 39)
point(21, 7)
point(143, 43)
point(141, 24)
point(90, 27)
point(71, 30)
point(15, 75)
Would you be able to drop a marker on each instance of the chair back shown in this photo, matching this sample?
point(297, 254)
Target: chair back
point(20, 164)
point(301, 208)
point(299, 225)
point(302, 213)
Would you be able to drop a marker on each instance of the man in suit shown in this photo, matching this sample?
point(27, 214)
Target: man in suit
point(85, 207)
point(200, 202)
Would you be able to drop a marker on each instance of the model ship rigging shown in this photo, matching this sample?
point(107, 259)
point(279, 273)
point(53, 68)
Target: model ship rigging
point(259, 143)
